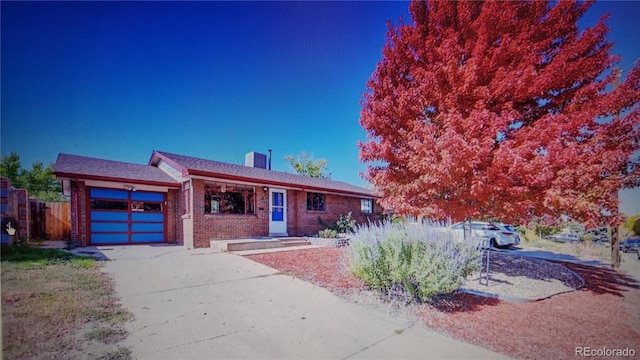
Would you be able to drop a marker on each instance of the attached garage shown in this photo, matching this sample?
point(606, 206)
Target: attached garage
point(126, 217)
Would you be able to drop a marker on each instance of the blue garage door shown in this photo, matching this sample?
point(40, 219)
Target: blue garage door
point(126, 217)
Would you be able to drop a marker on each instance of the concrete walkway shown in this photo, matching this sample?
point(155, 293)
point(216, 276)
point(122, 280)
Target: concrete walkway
point(196, 304)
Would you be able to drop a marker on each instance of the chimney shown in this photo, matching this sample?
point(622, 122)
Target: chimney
point(254, 159)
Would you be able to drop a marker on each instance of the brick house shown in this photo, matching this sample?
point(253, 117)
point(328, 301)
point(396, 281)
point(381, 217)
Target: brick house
point(190, 201)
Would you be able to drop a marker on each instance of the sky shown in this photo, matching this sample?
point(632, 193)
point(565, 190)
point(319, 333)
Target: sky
point(215, 80)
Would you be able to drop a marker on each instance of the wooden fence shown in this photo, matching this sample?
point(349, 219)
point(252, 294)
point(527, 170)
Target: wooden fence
point(58, 220)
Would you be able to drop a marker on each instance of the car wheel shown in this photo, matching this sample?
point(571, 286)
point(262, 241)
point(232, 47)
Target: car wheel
point(493, 243)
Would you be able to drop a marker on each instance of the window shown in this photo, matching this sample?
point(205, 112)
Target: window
point(146, 206)
point(225, 198)
point(366, 206)
point(108, 204)
point(315, 201)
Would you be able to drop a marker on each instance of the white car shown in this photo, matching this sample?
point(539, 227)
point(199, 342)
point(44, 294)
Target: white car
point(563, 238)
point(511, 229)
point(494, 233)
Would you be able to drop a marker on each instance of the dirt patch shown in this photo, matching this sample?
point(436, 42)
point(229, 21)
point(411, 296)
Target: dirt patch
point(602, 314)
point(523, 278)
point(60, 311)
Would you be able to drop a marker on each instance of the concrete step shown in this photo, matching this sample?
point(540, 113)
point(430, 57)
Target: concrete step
point(266, 251)
point(256, 244)
point(287, 243)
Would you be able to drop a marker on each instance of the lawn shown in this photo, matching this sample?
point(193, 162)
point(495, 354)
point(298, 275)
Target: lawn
point(58, 306)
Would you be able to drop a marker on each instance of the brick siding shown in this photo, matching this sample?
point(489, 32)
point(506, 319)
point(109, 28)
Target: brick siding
point(300, 221)
point(78, 213)
point(173, 233)
point(303, 222)
point(208, 227)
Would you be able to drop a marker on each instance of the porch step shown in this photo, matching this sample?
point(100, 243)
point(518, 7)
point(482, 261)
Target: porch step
point(294, 242)
point(256, 244)
point(282, 249)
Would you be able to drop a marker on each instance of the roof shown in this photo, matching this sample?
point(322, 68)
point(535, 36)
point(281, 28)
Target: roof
point(82, 167)
point(209, 168)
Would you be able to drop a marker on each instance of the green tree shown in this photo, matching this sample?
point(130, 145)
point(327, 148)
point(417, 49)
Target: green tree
point(40, 181)
point(632, 224)
point(305, 165)
point(10, 168)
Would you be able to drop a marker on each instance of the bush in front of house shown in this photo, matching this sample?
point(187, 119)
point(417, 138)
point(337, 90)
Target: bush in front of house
point(413, 261)
point(344, 225)
point(328, 233)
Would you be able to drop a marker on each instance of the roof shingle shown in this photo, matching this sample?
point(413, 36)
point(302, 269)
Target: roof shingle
point(92, 168)
point(86, 167)
point(198, 166)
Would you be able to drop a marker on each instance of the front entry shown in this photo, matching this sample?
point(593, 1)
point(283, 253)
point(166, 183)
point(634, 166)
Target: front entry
point(277, 212)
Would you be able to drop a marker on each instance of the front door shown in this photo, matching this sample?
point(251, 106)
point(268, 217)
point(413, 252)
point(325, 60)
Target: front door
point(278, 212)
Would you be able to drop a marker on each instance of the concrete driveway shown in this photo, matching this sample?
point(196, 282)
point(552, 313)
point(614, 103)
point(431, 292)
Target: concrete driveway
point(196, 304)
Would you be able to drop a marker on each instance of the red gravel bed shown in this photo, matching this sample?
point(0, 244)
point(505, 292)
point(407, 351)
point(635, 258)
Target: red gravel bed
point(605, 313)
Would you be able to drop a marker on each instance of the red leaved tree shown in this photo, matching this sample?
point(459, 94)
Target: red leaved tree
point(500, 109)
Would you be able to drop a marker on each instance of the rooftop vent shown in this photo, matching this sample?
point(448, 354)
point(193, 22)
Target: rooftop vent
point(257, 160)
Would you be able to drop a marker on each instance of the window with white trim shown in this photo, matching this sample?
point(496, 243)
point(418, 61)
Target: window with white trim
point(366, 206)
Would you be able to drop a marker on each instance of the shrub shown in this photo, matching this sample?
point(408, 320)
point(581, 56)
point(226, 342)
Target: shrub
point(545, 230)
point(345, 224)
point(328, 233)
point(416, 261)
point(588, 237)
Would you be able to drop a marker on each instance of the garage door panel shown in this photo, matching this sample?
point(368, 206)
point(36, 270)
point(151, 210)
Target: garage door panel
point(147, 227)
point(109, 238)
point(98, 193)
point(147, 238)
point(147, 196)
point(109, 216)
point(152, 217)
point(109, 227)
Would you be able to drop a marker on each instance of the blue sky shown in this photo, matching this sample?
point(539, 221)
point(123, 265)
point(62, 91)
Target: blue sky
point(216, 80)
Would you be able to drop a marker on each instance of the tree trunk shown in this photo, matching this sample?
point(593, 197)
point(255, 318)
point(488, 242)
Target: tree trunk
point(615, 248)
